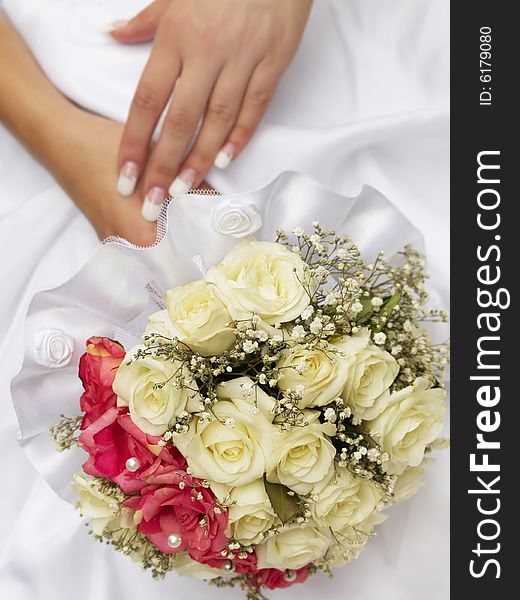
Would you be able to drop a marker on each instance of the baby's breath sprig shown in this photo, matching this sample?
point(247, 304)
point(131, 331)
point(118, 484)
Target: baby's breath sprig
point(356, 450)
point(288, 413)
point(64, 432)
point(399, 323)
point(236, 550)
point(110, 489)
point(387, 297)
point(349, 546)
point(335, 266)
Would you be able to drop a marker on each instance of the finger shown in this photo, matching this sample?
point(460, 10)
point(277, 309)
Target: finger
point(181, 121)
point(151, 96)
point(219, 118)
point(142, 27)
point(257, 98)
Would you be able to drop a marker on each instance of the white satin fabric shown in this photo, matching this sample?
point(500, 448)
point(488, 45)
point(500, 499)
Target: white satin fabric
point(365, 102)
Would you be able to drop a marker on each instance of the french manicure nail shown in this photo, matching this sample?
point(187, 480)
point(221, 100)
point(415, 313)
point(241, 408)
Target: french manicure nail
point(114, 25)
point(127, 179)
point(183, 182)
point(152, 204)
point(225, 156)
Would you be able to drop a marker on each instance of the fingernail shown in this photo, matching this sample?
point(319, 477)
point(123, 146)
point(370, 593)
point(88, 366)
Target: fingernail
point(183, 182)
point(127, 179)
point(225, 156)
point(152, 204)
point(119, 24)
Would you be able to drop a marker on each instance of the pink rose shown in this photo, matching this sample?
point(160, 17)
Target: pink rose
point(273, 578)
point(97, 369)
point(176, 503)
point(241, 565)
point(114, 438)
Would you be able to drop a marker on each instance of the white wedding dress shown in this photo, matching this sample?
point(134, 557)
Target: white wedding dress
point(365, 102)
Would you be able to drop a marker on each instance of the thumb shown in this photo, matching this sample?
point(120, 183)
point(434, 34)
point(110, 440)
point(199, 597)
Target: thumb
point(142, 27)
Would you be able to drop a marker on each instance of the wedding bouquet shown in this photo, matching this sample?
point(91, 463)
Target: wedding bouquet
point(266, 416)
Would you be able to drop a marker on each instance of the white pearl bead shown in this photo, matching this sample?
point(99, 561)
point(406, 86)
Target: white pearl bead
point(174, 540)
point(132, 464)
point(228, 566)
point(289, 575)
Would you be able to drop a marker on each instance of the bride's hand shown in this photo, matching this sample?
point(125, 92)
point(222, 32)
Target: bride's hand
point(229, 56)
point(83, 163)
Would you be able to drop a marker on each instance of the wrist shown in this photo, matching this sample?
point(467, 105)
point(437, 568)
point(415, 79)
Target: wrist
point(50, 132)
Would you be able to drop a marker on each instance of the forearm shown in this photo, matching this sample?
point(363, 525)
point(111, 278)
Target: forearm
point(30, 106)
point(76, 146)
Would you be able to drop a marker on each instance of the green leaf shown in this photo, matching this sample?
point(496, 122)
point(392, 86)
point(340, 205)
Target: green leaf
point(285, 506)
point(366, 312)
point(390, 303)
point(387, 307)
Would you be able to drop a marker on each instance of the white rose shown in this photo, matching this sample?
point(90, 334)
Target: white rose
point(262, 278)
point(293, 547)
point(99, 508)
point(159, 323)
point(410, 482)
point(234, 219)
point(185, 565)
point(198, 318)
point(322, 372)
point(124, 526)
point(146, 386)
point(53, 348)
point(105, 513)
point(250, 511)
point(234, 455)
point(350, 541)
point(303, 456)
point(412, 420)
point(371, 371)
point(346, 500)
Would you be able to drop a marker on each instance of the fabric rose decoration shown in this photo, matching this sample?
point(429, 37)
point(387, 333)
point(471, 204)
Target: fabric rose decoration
point(235, 219)
point(303, 456)
point(233, 446)
point(412, 420)
point(53, 348)
point(147, 386)
point(263, 279)
point(97, 369)
point(371, 372)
